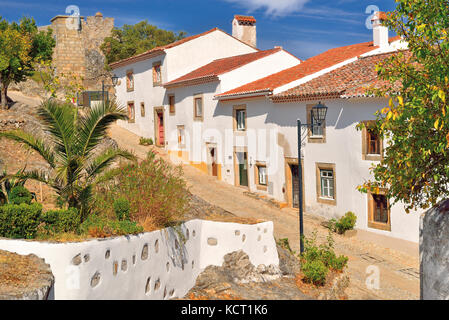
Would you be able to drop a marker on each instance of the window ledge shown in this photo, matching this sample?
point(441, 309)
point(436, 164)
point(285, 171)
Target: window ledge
point(327, 201)
point(379, 225)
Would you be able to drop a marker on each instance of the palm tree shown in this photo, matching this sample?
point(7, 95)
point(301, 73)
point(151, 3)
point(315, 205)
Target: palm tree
point(70, 149)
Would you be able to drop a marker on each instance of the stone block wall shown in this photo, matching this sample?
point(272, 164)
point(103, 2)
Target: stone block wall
point(434, 252)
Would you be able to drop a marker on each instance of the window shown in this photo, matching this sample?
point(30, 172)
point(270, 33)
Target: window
point(129, 80)
point(171, 102)
point(372, 144)
point(181, 136)
point(379, 211)
point(326, 183)
point(157, 75)
point(131, 112)
point(198, 107)
point(316, 132)
point(142, 109)
point(240, 118)
point(261, 176)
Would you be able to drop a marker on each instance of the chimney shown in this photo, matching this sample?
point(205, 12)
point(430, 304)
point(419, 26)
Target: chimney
point(244, 29)
point(380, 32)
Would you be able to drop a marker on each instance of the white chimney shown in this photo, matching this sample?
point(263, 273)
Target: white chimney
point(380, 32)
point(244, 29)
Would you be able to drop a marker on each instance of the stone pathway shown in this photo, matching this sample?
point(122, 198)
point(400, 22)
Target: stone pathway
point(399, 272)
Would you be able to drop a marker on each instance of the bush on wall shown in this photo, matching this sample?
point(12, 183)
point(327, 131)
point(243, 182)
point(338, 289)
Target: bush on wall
point(59, 221)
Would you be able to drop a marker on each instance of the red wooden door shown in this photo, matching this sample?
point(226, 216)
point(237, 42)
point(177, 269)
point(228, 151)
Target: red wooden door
point(160, 124)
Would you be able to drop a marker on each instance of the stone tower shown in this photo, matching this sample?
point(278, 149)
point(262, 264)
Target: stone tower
point(77, 49)
point(244, 29)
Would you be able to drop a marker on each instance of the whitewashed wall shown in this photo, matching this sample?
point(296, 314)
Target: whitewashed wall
point(154, 265)
point(176, 62)
point(343, 148)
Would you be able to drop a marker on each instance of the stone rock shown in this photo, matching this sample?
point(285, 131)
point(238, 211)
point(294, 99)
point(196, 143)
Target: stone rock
point(288, 263)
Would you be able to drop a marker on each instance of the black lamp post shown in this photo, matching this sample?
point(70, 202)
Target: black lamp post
point(114, 79)
point(319, 114)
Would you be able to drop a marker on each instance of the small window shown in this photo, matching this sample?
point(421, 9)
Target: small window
point(326, 183)
point(198, 108)
point(142, 109)
point(181, 136)
point(372, 144)
point(131, 112)
point(157, 75)
point(317, 131)
point(240, 118)
point(379, 211)
point(129, 81)
point(316, 128)
point(171, 102)
point(262, 175)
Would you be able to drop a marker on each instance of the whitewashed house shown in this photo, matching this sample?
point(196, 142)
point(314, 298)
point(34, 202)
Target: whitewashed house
point(141, 76)
point(336, 156)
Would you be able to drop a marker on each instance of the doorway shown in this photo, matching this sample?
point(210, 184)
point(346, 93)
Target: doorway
point(212, 166)
point(159, 126)
point(292, 182)
point(241, 168)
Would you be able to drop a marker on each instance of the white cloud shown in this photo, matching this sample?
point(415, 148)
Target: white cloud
point(271, 7)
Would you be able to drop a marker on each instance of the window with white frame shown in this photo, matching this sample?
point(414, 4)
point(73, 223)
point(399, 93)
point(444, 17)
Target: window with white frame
point(316, 128)
point(262, 170)
point(327, 183)
point(198, 107)
point(241, 119)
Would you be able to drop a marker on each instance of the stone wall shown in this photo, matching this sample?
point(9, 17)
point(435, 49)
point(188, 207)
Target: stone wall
point(77, 49)
point(163, 264)
point(434, 252)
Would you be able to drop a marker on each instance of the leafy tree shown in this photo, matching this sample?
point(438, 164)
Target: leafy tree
point(415, 168)
point(71, 150)
point(21, 46)
point(130, 40)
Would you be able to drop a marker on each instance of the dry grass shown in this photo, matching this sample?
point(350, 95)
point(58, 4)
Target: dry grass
point(16, 271)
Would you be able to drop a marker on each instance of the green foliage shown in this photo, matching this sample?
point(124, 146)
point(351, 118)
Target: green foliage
point(145, 141)
point(20, 194)
point(20, 221)
point(130, 40)
point(70, 152)
point(121, 208)
point(97, 226)
point(22, 45)
point(155, 189)
point(7, 183)
point(59, 221)
point(347, 222)
point(315, 272)
point(415, 166)
point(315, 257)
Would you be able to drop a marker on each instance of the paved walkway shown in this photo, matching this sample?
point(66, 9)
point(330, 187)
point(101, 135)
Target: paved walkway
point(399, 272)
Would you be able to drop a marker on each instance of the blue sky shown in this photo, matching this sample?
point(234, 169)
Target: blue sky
point(303, 27)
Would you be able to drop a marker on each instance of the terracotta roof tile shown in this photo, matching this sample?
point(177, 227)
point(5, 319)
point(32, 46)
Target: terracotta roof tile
point(210, 71)
point(249, 19)
point(308, 67)
point(350, 80)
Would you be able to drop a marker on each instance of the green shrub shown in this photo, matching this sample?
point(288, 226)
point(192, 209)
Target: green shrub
point(283, 243)
point(20, 221)
point(315, 272)
point(145, 141)
point(20, 194)
point(315, 256)
point(347, 222)
point(121, 208)
point(155, 189)
point(59, 221)
point(101, 227)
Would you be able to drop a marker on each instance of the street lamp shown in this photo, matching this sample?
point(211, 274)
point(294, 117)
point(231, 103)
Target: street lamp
point(114, 79)
point(319, 112)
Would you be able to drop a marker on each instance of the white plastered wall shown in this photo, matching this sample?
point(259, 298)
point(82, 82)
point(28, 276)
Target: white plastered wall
point(174, 265)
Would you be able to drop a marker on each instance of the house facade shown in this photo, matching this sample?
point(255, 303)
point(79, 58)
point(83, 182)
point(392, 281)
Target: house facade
point(234, 116)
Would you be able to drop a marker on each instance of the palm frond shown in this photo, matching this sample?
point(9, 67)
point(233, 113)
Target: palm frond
point(59, 121)
point(93, 126)
point(102, 161)
point(34, 143)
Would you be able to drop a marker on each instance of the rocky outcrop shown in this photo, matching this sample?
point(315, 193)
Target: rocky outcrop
point(24, 277)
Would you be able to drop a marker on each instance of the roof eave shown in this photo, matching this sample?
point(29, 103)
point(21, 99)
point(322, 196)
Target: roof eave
point(235, 96)
point(190, 82)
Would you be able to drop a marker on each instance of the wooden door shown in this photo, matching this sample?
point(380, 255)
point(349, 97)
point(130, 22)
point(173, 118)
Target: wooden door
point(243, 168)
point(160, 125)
point(295, 185)
point(213, 157)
